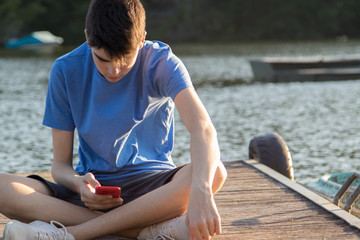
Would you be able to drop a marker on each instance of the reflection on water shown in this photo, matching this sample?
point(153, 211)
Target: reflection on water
point(319, 121)
point(24, 142)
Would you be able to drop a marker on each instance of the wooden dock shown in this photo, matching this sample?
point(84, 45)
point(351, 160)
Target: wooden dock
point(258, 203)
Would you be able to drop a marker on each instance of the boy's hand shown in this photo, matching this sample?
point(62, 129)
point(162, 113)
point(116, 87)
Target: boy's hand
point(203, 219)
point(95, 201)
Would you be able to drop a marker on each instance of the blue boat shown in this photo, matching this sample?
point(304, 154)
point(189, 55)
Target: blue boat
point(340, 188)
point(40, 40)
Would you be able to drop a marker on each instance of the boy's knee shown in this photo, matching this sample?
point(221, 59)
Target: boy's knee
point(221, 170)
point(5, 182)
point(220, 177)
point(5, 179)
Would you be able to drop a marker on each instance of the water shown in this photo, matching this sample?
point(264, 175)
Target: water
point(318, 121)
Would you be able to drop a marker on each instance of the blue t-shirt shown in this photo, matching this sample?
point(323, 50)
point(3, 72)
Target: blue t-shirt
point(124, 128)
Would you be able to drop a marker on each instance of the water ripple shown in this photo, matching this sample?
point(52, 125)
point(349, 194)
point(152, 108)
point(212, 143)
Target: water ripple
point(319, 121)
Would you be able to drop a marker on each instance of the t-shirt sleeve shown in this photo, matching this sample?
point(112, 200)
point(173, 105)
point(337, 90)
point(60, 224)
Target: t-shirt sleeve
point(57, 110)
point(172, 76)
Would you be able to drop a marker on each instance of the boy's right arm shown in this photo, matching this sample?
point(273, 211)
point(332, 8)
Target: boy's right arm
point(63, 173)
point(62, 170)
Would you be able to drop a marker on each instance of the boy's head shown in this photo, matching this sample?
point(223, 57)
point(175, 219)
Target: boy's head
point(116, 26)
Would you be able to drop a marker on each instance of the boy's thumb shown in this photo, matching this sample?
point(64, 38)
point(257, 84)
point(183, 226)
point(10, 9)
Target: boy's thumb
point(90, 179)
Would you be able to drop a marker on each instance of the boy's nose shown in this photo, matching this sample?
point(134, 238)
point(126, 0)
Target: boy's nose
point(114, 69)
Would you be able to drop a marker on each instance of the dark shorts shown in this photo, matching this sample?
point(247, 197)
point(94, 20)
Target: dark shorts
point(131, 189)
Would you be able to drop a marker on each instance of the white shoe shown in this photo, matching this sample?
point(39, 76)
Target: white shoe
point(173, 229)
point(38, 230)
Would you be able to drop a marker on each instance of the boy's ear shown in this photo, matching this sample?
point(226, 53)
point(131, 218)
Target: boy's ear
point(86, 37)
point(143, 40)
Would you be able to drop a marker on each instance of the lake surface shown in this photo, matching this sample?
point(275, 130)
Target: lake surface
point(318, 120)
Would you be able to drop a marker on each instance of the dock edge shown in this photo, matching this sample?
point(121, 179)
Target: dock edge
point(320, 201)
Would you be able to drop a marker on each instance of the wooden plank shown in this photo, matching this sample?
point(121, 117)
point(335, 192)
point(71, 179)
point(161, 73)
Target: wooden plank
point(263, 208)
point(315, 198)
point(254, 204)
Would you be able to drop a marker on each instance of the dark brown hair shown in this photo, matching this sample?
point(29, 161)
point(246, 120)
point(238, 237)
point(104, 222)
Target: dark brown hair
point(117, 26)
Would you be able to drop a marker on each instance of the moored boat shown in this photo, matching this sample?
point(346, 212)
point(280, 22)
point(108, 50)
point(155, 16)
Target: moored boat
point(328, 186)
point(315, 68)
point(40, 40)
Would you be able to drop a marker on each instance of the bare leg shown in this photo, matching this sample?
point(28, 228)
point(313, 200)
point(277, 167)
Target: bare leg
point(159, 205)
point(27, 199)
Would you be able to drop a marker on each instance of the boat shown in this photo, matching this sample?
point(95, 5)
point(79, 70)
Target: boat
point(302, 69)
point(342, 189)
point(40, 40)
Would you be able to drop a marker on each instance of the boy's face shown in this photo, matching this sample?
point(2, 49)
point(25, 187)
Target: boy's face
point(113, 69)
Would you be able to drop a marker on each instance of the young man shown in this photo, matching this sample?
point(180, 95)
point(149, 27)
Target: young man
point(119, 91)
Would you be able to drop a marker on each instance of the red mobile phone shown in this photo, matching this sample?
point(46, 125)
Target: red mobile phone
point(108, 190)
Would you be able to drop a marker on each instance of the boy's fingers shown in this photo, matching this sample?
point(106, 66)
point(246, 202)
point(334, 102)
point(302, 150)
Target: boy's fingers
point(105, 203)
point(90, 178)
point(218, 226)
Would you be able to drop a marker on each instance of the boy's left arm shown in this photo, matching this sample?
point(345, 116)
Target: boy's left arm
point(202, 218)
